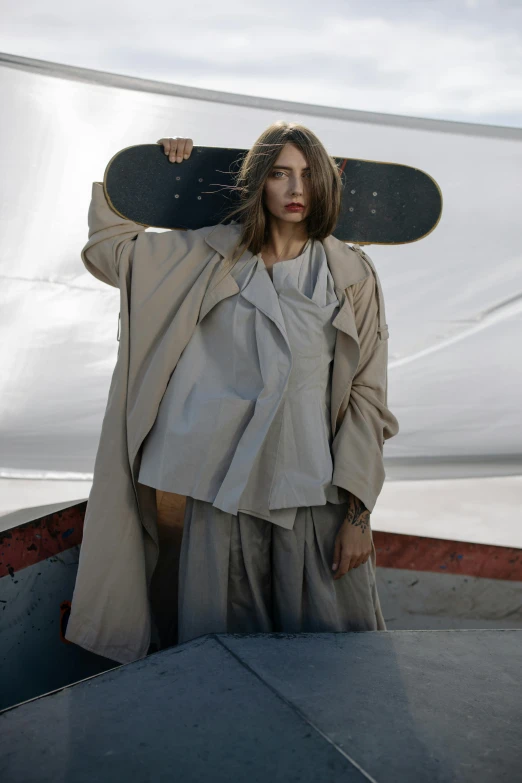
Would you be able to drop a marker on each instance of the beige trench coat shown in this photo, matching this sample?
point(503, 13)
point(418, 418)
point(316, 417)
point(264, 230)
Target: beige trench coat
point(168, 282)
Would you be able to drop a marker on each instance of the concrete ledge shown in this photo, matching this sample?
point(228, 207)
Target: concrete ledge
point(382, 706)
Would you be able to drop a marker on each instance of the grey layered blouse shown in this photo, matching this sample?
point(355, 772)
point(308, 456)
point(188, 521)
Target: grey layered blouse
point(252, 391)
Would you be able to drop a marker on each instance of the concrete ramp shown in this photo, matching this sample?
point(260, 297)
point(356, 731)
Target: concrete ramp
point(379, 706)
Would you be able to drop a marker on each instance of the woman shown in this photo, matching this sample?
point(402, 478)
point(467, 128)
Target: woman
point(274, 413)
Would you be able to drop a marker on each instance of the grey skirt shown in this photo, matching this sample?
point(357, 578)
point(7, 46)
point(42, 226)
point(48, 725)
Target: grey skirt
point(242, 574)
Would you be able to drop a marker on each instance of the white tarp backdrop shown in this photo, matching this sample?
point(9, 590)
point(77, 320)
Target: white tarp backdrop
point(453, 299)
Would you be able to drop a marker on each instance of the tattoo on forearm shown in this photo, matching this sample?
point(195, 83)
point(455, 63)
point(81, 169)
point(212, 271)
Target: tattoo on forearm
point(357, 513)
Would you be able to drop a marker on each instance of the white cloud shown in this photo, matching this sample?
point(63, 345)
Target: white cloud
point(452, 60)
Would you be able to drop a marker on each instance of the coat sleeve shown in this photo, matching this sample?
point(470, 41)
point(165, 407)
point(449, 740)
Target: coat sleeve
point(367, 421)
point(113, 242)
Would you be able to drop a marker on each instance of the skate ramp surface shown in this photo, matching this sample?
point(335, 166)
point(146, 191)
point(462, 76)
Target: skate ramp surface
point(375, 706)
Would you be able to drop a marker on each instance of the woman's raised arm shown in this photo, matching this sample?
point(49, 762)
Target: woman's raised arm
point(112, 239)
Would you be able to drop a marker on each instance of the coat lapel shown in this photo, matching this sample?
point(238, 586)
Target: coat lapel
point(346, 267)
point(222, 238)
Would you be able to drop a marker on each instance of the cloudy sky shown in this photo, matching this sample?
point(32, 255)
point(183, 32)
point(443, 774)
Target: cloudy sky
point(444, 59)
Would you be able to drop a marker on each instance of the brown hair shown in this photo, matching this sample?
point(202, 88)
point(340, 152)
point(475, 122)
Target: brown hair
point(325, 185)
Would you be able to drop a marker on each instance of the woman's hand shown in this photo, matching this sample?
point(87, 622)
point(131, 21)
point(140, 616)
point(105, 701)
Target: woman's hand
point(353, 543)
point(177, 149)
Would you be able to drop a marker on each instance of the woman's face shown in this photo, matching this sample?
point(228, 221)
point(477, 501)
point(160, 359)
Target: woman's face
point(287, 182)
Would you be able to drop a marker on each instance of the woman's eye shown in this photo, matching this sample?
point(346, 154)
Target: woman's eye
point(307, 174)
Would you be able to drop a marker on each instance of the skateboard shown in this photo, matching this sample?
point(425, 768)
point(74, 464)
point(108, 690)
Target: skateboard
point(382, 203)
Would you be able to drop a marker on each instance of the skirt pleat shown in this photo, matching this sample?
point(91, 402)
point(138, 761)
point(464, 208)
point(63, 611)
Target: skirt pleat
point(242, 574)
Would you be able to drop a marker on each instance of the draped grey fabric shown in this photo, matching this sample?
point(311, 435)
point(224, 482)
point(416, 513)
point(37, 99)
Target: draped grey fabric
point(245, 420)
point(241, 574)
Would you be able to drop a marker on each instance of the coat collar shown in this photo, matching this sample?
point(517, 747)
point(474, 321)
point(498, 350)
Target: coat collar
point(344, 262)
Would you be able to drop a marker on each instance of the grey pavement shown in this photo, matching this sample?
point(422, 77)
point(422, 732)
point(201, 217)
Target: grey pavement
point(374, 706)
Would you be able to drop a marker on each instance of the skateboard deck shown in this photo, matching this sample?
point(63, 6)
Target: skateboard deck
point(382, 203)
